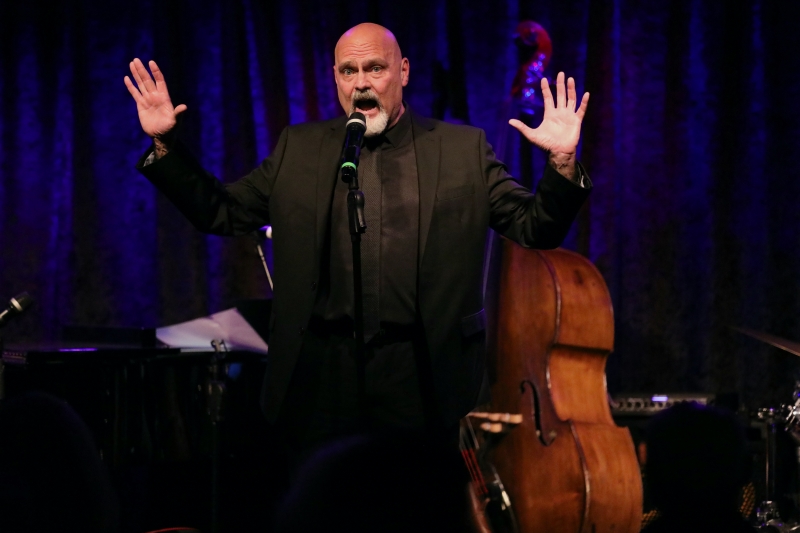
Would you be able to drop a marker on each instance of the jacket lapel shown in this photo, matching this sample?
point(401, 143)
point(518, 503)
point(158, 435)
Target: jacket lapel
point(427, 148)
point(327, 174)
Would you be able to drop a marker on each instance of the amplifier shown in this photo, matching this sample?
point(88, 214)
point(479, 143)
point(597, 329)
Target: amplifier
point(647, 404)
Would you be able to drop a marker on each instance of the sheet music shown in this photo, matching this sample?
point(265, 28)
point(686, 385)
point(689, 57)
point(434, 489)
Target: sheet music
point(229, 326)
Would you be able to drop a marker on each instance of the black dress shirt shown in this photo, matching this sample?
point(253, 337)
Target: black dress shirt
point(399, 235)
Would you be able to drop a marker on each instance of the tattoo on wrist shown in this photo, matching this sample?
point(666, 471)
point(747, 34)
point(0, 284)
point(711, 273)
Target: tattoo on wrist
point(564, 164)
point(160, 148)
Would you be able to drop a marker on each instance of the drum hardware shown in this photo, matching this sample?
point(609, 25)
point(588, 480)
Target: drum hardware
point(771, 417)
point(767, 514)
point(767, 517)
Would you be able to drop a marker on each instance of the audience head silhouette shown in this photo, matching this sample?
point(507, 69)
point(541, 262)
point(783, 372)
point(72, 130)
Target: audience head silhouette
point(51, 475)
point(378, 483)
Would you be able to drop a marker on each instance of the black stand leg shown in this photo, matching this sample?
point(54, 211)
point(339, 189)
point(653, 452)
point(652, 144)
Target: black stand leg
point(358, 225)
point(215, 391)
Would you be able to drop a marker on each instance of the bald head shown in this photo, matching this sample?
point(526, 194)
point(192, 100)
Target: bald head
point(366, 34)
point(370, 74)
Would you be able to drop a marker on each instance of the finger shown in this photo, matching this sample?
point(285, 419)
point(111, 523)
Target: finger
point(180, 109)
point(584, 104)
point(571, 96)
point(547, 95)
point(560, 93)
point(146, 84)
point(134, 91)
point(158, 76)
point(135, 74)
point(136, 71)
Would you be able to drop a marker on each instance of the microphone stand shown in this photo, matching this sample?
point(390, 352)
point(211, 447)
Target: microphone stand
point(215, 393)
point(358, 225)
point(17, 305)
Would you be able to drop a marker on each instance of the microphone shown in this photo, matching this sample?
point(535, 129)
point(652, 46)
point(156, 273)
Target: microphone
point(261, 234)
point(264, 232)
point(16, 306)
point(356, 126)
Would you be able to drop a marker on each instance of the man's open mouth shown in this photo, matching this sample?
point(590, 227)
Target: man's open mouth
point(366, 104)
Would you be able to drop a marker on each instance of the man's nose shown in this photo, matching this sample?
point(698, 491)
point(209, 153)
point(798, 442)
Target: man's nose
point(362, 81)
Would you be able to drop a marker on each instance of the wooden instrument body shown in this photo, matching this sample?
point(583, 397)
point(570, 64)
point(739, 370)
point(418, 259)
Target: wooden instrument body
point(567, 467)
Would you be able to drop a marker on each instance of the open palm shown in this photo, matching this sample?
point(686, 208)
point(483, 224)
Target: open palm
point(156, 113)
point(560, 129)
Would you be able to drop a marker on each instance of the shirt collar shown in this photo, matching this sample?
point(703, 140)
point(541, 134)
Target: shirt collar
point(397, 133)
point(394, 136)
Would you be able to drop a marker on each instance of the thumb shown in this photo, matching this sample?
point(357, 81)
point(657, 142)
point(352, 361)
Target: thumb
point(519, 125)
point(528, 132)
point(180, 109)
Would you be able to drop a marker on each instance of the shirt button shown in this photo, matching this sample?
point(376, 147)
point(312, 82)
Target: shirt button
point(302, 330)
point(313, 285)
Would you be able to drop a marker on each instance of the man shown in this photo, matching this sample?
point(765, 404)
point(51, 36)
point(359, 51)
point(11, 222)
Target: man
point(431, 191)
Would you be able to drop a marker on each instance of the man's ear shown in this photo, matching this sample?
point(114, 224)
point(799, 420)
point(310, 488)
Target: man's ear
point(405, 67)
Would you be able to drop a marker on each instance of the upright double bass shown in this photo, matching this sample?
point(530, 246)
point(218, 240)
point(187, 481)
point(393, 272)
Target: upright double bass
point(563, 463)
point(550, 457)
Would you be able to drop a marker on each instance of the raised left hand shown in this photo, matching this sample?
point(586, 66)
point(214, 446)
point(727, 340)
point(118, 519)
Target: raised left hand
point(560, 130)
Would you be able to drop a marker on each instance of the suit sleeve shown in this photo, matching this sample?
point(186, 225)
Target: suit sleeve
point(539, 219)
point(211, 206)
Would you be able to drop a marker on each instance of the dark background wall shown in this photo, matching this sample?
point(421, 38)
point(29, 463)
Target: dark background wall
point(689, 139)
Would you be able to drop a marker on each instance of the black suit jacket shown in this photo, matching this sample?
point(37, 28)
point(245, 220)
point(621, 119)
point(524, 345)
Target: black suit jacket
point(463, 189)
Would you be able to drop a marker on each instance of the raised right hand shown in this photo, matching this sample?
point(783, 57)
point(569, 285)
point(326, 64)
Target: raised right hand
point(156, 113)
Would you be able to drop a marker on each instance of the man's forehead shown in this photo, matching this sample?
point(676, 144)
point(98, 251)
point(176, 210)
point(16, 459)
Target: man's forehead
point(366, 41)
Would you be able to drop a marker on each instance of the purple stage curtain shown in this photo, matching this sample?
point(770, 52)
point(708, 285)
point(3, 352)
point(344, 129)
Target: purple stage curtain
point(689, 139)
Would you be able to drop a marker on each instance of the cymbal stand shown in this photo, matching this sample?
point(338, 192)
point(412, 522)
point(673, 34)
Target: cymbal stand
point(792, 426)
point(767, 514)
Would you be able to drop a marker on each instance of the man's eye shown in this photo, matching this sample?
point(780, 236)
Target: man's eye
point(347, 71)
point(377, 69)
